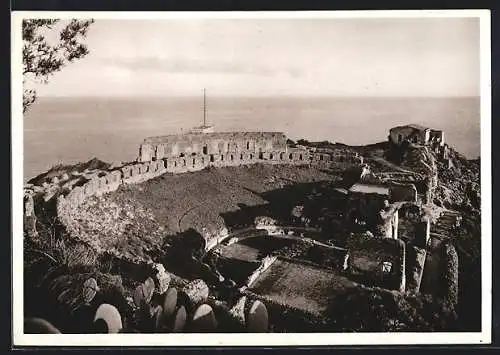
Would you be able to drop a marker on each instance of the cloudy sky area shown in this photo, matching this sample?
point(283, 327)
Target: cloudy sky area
point(250, 57)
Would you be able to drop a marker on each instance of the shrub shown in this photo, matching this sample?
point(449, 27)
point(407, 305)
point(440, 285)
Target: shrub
point(450, 274)
point(377, 310)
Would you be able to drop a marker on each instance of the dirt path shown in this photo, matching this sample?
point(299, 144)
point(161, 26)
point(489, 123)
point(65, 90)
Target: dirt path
point(393, 166)
point(200, 205)
point(181, 218)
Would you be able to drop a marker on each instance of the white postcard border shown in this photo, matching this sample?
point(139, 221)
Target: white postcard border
point(274, 339)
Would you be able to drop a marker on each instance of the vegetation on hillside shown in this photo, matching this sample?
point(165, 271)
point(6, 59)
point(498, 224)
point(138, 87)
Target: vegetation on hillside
point(378, 310)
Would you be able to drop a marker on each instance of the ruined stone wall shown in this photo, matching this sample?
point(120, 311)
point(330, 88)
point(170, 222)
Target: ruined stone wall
point(436, 137)
point(368, 255)
point(108, 181)
point(407, 133)
point(290, 156)
point(402, 192)
point(192, 152)
point(67, 205)
point(219, 143)
point(414, 224)
point(242, 149)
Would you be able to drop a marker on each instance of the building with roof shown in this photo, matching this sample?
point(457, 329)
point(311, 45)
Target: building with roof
point(416, 134)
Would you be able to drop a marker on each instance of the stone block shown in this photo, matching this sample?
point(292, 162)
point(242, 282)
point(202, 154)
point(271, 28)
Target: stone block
point(89, 189)
point(196, 292)
point(406, 192)
point(161, 278)
point(126, 172)
point(89, 290)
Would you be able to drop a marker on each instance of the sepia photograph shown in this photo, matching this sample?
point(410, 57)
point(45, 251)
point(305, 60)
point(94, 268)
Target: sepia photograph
point(311, 178)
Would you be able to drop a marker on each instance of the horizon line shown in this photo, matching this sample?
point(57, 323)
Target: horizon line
point(260, 96)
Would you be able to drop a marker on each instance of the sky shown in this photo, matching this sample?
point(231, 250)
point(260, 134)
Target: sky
point(273, 57)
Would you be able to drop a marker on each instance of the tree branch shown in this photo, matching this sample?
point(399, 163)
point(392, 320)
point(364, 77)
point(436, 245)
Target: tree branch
point(41, 59)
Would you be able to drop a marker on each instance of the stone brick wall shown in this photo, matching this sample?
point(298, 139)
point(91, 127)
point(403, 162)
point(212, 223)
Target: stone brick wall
point(367, 255)
point(160, 155)
point(292, 156)
point(191, 152)
point(402, 192)
point(400, 134)
point(67, 205)
point(172, 146)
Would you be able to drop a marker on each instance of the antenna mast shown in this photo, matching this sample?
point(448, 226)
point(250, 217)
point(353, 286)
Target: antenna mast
point(204, 108)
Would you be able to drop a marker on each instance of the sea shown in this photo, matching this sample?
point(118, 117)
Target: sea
point(66, 130)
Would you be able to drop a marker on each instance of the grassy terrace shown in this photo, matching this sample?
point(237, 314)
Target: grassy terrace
point(301, 286)
point(293, 282)
point(205, 201)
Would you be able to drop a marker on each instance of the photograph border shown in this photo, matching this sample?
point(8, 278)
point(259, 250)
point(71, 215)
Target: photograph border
point(271, 339)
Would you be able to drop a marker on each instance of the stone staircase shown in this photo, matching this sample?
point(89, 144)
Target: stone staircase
point(441, 231)
point(445, 224)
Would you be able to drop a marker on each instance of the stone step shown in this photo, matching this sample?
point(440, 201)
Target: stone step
point(437, 235)
point(442, 230)
point(444, 223)
point(449, 216)
point(447, 220)
point(451, 220)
